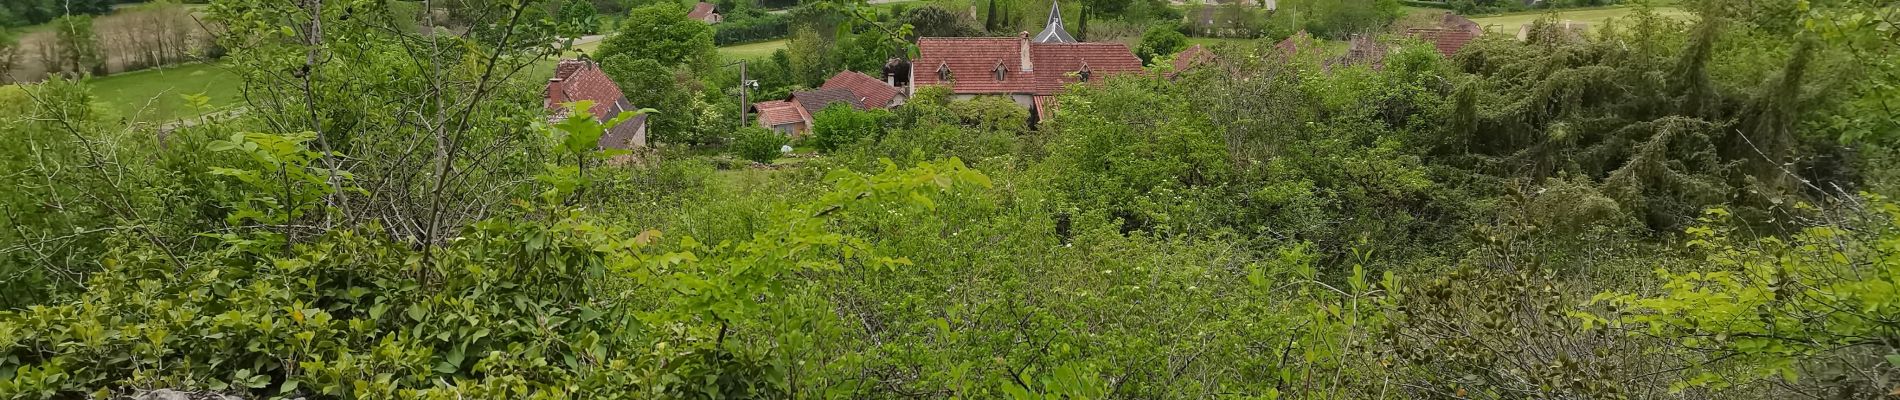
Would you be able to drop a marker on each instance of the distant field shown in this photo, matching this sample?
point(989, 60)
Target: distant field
point(752, 50)
point(156, 95)
point(1596, 17)
point(1211, 42)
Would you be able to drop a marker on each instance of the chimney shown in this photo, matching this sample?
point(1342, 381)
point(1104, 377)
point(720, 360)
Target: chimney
point(1023, 42)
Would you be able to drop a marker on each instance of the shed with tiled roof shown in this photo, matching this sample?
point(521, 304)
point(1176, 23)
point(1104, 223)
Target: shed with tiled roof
point(583, 80)
point(1446, 40)
point(784, 116)
point(817, 99)
point(872, 92)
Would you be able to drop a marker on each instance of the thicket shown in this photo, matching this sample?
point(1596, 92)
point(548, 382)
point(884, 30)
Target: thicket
point(1656, 211)
point(750, 24)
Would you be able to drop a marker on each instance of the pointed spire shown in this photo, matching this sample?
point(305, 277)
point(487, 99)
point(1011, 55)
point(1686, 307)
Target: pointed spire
point(1053, 32)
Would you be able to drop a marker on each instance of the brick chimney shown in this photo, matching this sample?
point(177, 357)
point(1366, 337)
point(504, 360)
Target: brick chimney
point(1022, 40)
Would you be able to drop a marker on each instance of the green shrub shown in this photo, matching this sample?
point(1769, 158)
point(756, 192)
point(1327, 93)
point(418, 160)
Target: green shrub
point(1160, 40)
point(841, 124)
point(758, 144)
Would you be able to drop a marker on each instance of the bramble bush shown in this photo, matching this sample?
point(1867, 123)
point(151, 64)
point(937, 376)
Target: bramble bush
point(758, 145)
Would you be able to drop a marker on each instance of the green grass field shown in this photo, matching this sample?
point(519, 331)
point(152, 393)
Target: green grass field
point(156, 95)
point(752, 50)
point(1596, 17)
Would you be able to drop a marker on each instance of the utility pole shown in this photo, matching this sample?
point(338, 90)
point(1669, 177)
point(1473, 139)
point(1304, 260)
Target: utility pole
point(744, 85)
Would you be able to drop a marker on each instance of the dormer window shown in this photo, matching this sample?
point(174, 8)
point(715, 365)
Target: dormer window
point(943, 72)
point(1002, 72)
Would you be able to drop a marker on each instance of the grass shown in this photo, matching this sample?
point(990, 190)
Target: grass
point(1212, 42)
point(1596, 17)
point(753, 50)
point(156, 95)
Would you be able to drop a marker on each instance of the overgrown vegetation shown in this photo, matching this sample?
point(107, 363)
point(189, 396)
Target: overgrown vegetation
point(1658, 209)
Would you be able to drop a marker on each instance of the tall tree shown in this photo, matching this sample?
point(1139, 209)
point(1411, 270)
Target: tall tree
point(1092, 9)
point(647, 84)
point(77, 46)
point(9, 53)
point(663, 33)
point(989, 18)
point(578, 18)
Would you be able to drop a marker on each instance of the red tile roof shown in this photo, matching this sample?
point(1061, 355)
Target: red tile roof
point(701, 11)
point(779, 112)
point(814, 100)
point(1028, 68)
point(872, 93)
point(1452, 20)
point(1194, 56)
point(1447, 40)
point(1292, 44)
point(971, 63)
point(1059, 64)
point(1045, 108)
point(578, 80)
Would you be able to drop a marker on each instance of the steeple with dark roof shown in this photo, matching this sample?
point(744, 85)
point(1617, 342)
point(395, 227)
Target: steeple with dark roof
point(1053, 32)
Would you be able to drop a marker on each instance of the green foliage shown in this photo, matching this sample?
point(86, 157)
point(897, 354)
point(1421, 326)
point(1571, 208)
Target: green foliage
point(1339, 19)
point(283, 181)
point(937, 21)
point(513, 309)
point(1819, 302)
point(758, 144)
point(578, 18)
point(840, 125)
point(76, 47)
point(661, 32)
point(1393, 226)
point(1125, 146)
point(9, 53)
point(31, 12)
point(749, 24)
point(649, 83)
point(1159, 41)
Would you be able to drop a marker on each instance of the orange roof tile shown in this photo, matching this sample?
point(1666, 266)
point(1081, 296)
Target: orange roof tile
point(778, 112)
point(872, 93)
point(578, 80)
point(701, 11)
point(1447, 40)
point(1027, 68)
point(972, 63)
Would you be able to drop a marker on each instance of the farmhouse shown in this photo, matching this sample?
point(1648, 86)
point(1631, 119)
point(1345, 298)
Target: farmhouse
point(582, 79)
point(1452, 33)
point(1028, 70)
point(705, 12)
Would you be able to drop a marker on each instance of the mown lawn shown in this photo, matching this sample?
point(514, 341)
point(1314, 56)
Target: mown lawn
point(1596, 17)
point(752, 50)
point(157, 95)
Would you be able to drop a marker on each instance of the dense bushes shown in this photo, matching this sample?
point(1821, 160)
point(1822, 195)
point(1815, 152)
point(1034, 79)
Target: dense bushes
point(840, 124)
point(749, 24)
point(1525, 220)
point(1159, 41)
point(758, 144)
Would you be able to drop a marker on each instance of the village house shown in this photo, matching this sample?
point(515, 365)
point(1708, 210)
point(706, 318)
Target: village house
point(1193, 57)
point(1029, 70)
point(705, 12)
point(793, 116)
point(581, 79)
point(1451, 35)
